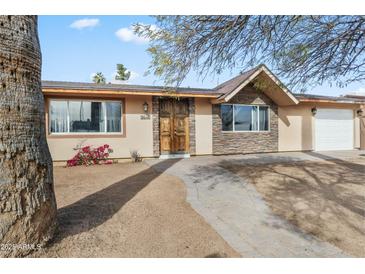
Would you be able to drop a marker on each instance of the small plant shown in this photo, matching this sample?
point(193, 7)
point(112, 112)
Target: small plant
point(91, 156)
point(135, 156)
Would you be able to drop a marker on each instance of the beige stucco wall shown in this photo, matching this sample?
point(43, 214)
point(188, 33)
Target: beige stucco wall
point(297, 125)
point(295, 128)
point(203, 126)
point(138, 135)
point(357, 132)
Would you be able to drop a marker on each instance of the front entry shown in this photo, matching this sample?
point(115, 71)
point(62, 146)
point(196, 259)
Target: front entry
point(174, 126)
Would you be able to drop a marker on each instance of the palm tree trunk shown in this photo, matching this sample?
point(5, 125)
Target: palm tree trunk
point(27, 200)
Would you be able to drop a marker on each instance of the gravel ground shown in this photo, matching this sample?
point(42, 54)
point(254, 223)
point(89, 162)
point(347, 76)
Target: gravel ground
point(128, 210)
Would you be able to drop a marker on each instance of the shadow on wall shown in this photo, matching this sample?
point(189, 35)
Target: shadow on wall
point(307, 132)
point(284, 118)
point(97, 208)
point(296, 125)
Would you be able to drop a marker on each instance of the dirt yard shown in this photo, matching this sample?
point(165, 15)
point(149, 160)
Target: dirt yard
point(324, 198)
point(128, 210)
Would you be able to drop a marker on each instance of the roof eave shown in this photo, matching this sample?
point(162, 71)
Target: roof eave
point(313, 100)
point(294, 100)
point(94, 92)
point(262, 68)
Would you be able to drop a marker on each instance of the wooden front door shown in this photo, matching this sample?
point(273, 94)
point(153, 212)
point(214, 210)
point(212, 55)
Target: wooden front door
point(174, 126)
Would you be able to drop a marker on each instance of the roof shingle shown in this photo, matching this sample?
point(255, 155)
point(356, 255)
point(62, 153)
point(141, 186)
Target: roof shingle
point(116, 87)
point(220, 90)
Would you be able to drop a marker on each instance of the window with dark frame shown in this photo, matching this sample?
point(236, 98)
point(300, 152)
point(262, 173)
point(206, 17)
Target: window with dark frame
point(85, 116)
point(237, 117)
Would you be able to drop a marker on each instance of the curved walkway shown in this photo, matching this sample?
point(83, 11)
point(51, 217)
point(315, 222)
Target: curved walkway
point(237, 211)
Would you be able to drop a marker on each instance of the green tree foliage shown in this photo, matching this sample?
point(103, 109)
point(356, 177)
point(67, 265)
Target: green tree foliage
point(99, 78)
point(122, 73)
point(303, 50)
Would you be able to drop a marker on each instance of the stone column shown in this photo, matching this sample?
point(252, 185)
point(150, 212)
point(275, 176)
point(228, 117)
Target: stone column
point(156, 125)
point(192, 143)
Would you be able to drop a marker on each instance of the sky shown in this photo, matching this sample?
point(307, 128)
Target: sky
point(76, 47)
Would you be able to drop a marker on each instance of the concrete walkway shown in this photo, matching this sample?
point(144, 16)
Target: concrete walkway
point(237, 211)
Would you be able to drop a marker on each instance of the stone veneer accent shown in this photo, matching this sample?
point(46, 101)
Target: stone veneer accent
point(192, 143)
point(156, 126)
point(246, 142)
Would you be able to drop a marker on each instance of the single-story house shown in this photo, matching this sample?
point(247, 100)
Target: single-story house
point(251, 113)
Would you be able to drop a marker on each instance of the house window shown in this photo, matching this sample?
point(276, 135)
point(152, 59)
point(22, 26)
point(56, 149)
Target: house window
point(81, 116)
point(236, 117)
point(227, 117)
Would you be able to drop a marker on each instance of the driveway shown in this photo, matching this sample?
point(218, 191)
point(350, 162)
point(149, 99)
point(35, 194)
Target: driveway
point(243, 197)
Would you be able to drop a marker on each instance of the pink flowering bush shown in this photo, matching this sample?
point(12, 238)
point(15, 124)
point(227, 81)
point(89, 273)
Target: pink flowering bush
point(91, 156)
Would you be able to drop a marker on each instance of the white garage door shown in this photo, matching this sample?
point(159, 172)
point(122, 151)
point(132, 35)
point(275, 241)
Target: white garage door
point(334, 129)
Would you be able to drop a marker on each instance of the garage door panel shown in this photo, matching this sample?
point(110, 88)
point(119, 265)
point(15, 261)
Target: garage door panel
point(334, 129)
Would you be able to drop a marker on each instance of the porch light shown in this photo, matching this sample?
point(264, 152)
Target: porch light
point(359, 112)
point(145, 107)
point(314, 111)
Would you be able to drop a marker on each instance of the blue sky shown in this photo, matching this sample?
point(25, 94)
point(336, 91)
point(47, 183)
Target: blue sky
point(75, 47)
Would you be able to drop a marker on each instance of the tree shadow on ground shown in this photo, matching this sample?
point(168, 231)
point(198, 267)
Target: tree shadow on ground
point(323, 198)
point(350, 165)
point(97, 208)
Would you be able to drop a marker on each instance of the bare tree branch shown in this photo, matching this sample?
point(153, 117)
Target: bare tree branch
point(304, 50)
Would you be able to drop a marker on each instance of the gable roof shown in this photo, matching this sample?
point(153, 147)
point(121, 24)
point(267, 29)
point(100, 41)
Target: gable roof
point(233, 83)
point(230, 88)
